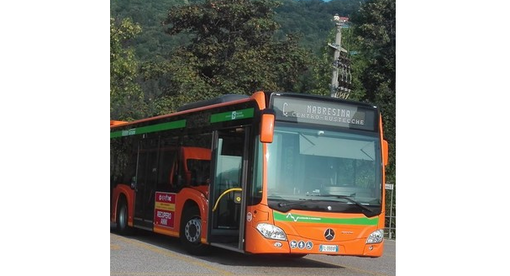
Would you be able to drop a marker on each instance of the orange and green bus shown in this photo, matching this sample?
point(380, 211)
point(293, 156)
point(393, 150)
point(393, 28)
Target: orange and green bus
point(271, 173)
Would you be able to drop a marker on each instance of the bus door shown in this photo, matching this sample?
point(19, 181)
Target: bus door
point(227, 192)
point(145, 185)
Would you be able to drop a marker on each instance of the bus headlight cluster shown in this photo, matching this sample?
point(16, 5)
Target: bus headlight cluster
point(376, 237)
point(270, 231)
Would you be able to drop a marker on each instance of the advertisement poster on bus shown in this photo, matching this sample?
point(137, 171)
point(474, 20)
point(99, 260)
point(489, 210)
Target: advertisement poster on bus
point(164, 209)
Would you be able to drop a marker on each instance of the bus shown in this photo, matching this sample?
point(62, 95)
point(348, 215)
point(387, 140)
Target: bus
point(272, 173)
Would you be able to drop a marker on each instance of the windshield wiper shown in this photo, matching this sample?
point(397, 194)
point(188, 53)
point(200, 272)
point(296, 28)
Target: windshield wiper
point(365, 210)
point(294, 203)
point(286, 206)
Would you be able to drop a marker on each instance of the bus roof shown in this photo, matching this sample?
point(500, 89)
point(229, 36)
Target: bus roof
point(218, 101)
point(221, 99)
point(115, 122)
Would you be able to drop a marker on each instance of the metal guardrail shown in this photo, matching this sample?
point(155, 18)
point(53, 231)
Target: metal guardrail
point(390, 231)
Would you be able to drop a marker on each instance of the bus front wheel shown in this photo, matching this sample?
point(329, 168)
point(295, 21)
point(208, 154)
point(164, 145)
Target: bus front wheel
point(191, 232)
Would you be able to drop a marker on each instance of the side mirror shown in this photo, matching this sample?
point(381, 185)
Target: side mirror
point(385, 152)
point(267, 126)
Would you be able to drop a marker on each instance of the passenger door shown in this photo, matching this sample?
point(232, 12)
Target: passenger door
point(146, 183)
point(227, 194)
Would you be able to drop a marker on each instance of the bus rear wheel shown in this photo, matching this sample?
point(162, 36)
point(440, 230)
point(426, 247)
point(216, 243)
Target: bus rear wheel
point(122, 218)
point(191, 232)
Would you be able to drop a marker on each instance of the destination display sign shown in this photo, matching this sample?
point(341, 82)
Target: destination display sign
point(332, 113)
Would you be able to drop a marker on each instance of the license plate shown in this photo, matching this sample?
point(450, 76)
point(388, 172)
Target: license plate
point(328, 248)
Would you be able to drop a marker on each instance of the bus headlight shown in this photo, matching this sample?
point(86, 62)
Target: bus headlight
point(270, 231)
point(376, 237)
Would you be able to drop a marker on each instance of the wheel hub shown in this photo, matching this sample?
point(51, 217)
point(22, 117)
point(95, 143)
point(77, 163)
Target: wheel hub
point(192, 230)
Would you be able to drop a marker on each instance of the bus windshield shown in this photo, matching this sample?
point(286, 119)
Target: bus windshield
point(314, 168)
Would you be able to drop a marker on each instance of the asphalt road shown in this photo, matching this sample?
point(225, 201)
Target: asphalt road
point(146, 254)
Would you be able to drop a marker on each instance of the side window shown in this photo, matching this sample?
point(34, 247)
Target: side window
point(147, 164)
point(199, 170)
point(130, 152)
point(168, 156)
point(118, 160)
point(230, 157)
point(122, 160)
point(196, 159)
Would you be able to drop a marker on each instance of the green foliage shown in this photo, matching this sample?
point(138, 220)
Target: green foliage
point(312, 19)
point(152, 42)
point(308, 19)
point(232, 50)
point(126, 97)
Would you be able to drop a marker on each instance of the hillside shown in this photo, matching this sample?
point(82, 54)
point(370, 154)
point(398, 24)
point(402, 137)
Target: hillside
point(311, 19)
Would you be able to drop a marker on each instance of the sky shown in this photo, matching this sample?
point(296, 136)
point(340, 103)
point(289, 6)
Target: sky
point(452, 147)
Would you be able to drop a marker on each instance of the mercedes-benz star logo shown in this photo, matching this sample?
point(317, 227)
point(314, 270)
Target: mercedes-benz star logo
point(329, 234)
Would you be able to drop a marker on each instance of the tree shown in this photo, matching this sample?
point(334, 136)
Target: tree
point(232, 50)
point(126, 97)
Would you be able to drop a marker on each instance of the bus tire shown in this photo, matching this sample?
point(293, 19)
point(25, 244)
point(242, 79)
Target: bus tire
point(122, 226)
point(191, 231)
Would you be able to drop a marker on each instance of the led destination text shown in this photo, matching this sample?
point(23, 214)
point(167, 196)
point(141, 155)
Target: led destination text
point(330, 114)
